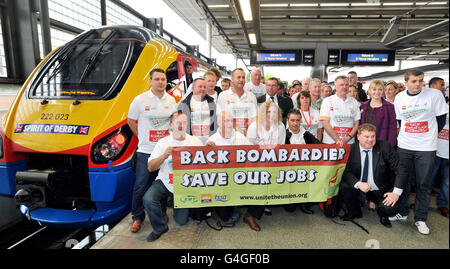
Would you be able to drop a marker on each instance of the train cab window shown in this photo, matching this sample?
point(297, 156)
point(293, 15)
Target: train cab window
point(92, 69)
point(172, 75)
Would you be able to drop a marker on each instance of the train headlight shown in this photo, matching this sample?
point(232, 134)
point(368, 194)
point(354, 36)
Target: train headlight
point(112, 146)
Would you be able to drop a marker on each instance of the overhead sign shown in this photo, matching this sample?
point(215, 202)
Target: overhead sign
point(308, 57)
point(254, 175)
point(276, 57)
point(368, 57)
point(334, 57)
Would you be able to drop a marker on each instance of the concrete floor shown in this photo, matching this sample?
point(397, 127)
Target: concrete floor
point(285, 230)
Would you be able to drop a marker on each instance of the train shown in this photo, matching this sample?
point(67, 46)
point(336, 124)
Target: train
point(66, 151)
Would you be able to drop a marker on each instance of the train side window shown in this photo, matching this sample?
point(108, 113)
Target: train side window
point(172, 76)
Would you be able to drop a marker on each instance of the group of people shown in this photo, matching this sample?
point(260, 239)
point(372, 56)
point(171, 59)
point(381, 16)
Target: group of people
point(394, 136)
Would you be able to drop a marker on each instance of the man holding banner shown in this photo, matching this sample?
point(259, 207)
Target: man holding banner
point(162, 188)
point(227, 136)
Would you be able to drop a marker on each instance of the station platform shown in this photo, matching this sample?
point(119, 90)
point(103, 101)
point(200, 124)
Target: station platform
point(284, 230)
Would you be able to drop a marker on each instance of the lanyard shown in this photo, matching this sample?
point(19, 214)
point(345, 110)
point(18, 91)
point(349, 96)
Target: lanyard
point(310, 120)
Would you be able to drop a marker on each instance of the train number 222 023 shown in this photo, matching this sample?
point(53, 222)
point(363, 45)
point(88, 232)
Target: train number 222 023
point(52, 116)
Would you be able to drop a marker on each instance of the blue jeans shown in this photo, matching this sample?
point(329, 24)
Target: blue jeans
point(423, 161)
point(144, 180)
point(155, 203)
point(441, 163)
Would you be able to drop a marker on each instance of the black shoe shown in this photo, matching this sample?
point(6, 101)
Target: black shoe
point(385, 221)
point(347, 217)
point(153, 237)
point(306, 209)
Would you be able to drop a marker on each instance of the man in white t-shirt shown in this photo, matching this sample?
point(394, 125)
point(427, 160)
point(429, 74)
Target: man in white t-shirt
point(441, 163)
point(210, 82)
point(315, 92)
point(255, 86)
point(227, 136)
point(241, 103)
point(340, 115)
point(421, 112)
point(200, 110)
point(148, 118)
point(162, 188)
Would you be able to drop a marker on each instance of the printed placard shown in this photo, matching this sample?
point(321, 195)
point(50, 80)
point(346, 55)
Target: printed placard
point(253, 175)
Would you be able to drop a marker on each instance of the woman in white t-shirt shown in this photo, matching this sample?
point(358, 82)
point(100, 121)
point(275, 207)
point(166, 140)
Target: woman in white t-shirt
point(268, 129)
point(310, 116)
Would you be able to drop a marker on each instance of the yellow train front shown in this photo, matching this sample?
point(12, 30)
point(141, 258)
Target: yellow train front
point(66, 149)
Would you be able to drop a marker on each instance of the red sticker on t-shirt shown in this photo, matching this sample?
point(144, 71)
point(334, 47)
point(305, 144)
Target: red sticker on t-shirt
point(155, 136)
point(443, 134)
point(241, 123)
point(342, 131)
point(416, 127)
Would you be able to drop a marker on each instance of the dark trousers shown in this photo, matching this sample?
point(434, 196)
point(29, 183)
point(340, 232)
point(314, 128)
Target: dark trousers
point(350, 197)
point(423, 162)
point(144, 180)
point(255, 211)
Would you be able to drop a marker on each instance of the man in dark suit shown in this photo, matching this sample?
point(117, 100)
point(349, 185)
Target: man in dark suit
point(283, 102)
point(353, 79)
point(373, 168)
point(188, 70)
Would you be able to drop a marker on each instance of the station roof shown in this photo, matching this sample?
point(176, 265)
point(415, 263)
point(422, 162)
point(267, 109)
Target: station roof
point(417, 30)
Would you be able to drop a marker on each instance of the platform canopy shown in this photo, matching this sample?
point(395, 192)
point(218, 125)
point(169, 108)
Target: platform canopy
point(417, 30)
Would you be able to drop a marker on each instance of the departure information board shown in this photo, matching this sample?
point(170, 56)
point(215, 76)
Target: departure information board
point(276, 57)
point(368, 57)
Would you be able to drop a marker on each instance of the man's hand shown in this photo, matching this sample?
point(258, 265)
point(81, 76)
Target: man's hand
point(391, 199)
point(364, 186)
point(340, 142)
point(168, 152)
point(210, 144)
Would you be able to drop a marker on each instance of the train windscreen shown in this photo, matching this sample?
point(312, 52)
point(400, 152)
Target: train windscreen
point(93, 69)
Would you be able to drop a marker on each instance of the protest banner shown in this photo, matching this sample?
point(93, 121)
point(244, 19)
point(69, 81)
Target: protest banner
point(255, 175)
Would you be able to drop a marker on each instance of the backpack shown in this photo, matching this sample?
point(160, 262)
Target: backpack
point(331, 207)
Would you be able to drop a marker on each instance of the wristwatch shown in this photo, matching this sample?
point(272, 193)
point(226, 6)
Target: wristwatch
point(350, 136)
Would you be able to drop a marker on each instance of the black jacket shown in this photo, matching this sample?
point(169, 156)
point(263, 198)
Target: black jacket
point(388, 172)
point(361, 93)
point(284, 103)
point(185, 107)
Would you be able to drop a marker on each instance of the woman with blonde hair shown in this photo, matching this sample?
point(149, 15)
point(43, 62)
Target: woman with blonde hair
point(267, 130)
point(380, 113)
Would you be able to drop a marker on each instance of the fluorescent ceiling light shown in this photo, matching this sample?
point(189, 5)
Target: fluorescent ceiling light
point(334, 5)
point(252, 38)
point(246, 10)
point(364, 4)
point(218, 6)
point(304, 5)
point(398, 4)
point(274, 5)
point(430, 3)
